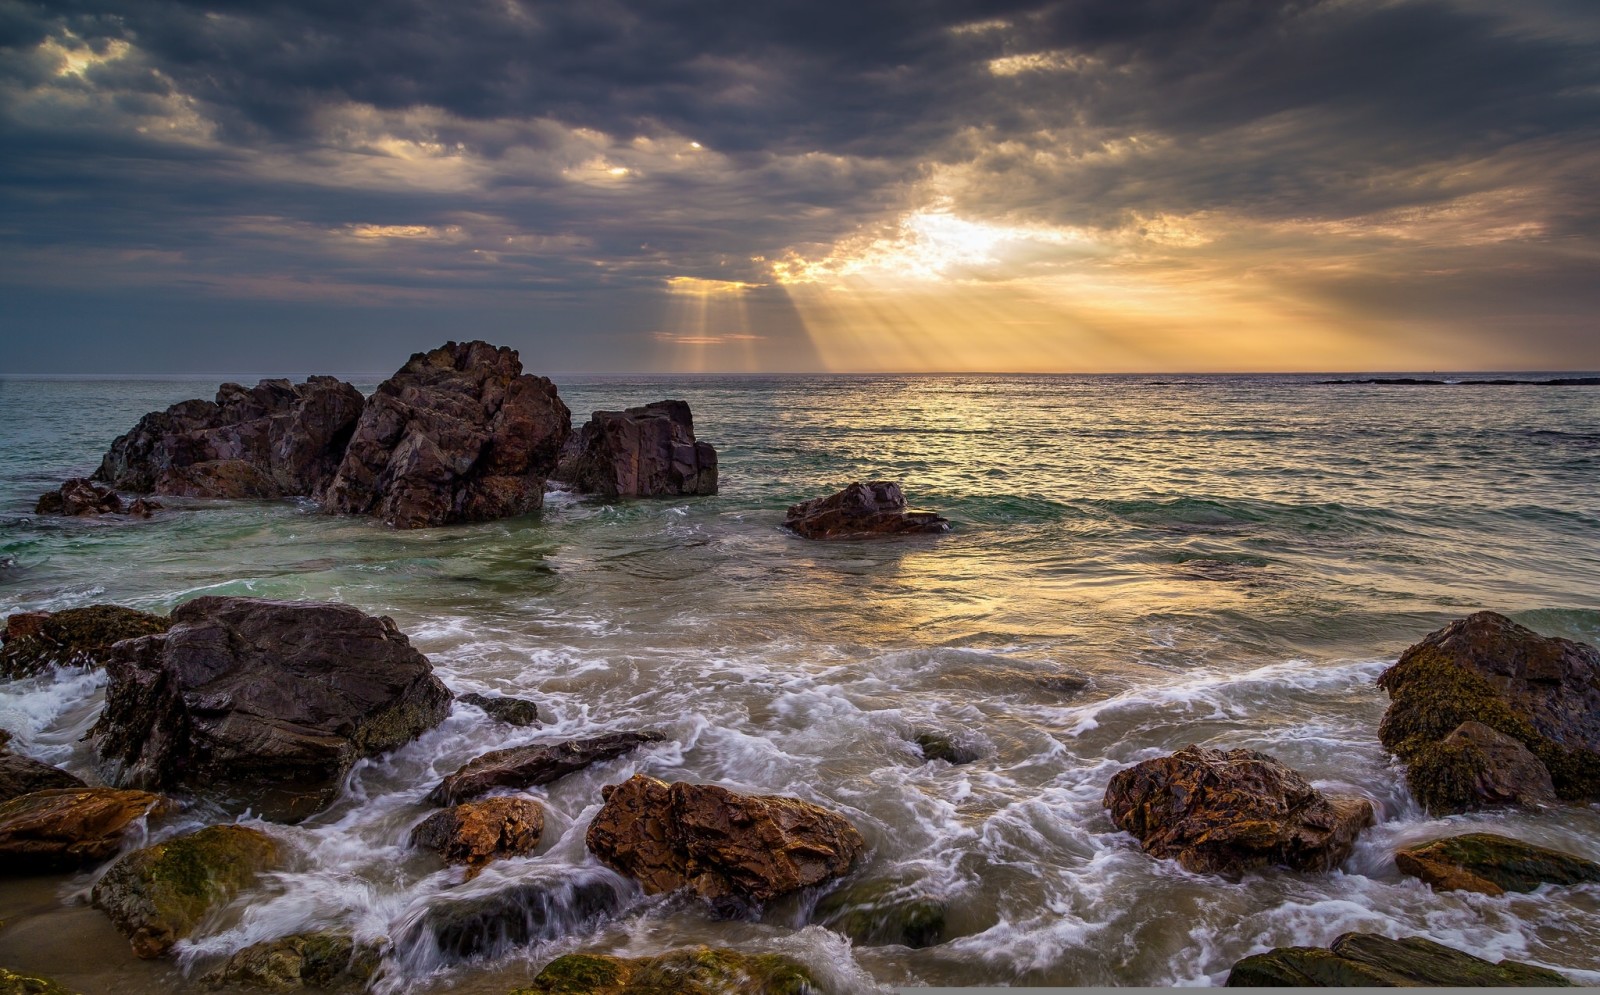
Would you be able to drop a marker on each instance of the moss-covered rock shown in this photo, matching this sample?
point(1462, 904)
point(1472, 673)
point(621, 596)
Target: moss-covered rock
point(158, 895)
point(1369, 960)
point(323, 959)
point(12, 983)
point(1492, 864)
point(696, 971)
point(876, 913)
point(74, 637)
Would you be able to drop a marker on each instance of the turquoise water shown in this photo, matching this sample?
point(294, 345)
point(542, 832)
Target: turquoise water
point(1226, 560)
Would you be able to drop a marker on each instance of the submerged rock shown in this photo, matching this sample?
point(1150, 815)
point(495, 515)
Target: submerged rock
point(269, 703)
point(1492, 864)
point(21, 775)
point(521, 767)
point(81, 497)
point(158, 895)
point(875, 913)
point(1486, 670)
point(1223, 812)
point(458, 434)
point(63, 829)
point(648, 451)
point(511, 711)
point(73, 637)
point(861, 511)
point(730, 849)
point(942, 746)
point(12, 983)
point(486, 926)
point(697, 971)
point(1369, 960)
point(325, 959)
point(475, 833)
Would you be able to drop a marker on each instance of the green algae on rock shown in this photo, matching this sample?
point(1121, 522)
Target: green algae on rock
point(1492, 864)
point(12, 983)
point(74, 637)
point(158, 895)
point(876, 913)
point(1370, 960)
point(696, 971)
point(324, 959)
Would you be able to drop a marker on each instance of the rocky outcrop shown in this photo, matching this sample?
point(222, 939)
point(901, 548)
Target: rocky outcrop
point(649, 451)
point(458, 434)
point(12, 983)
point(1486, 670)
point(1223, 812)
point(63, 829)
point(485, 926)
point(731, 849)
point(696, 971)
point(511, 711)
point(861, 511)
point(21, 775)
point(475, 833)
point(73, 637)
point(521, 767)
point(1492, 864)
point(81, 497)
point(268, 703)
point(325, 959)
point(1367, 960)
point(876, 913)
point(276, 439)
point(158, 895)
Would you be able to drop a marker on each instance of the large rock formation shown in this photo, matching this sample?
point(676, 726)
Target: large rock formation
point(733, 850)
point(73, 637)
point(696, 971)
point(1492, 864)
point(519, 767)
point(648, 451)
point(264, 702)
point(861, 511)
point(1217, 812)
point(81, 497)
point(276, 439)
point(62, 829)
point(1367, 960)
point(474, 833)
point(1486, 670)
point(459, 434)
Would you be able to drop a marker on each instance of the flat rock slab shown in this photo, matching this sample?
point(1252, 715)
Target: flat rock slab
point(696, 971)
point(1493, 864)
point(63, 829)
point(1368, 960)
point(521, 767)
point(474, 833)
point(861, 511)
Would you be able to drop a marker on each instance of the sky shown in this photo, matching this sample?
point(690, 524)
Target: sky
point(712, 186)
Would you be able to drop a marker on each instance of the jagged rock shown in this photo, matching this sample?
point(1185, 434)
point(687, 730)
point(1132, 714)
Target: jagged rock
point(941, 746)
point(648, 451)
point(22, 775)
point(1368, 960)
point(269, 703)
point(81, 497)
point(12, 983)
point(475, 833)
point(696, 971)
point(1493, 865)
point(74, 637)
point(861, 511)
point(521, 767)
point(324, 959)
point(276, 439)
point(490, 925)
point(62, 829)
point(1217, 812)
point(730, 849)
point(1543, 692)
point(158, 895)
point(511, 711)
point(459, 434)
point(874, 913)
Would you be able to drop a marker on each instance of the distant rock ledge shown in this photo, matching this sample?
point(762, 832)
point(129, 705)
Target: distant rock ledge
point(1423, 382)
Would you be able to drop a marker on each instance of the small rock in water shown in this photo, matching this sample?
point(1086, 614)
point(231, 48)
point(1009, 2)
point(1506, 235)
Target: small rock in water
point(487, 926)
point(325, 959)
point(81, 497)
point(861, 511)
point(21, 775)
point(74, 637)
point(521, 767)
point(697, 971)
point(511, 711)
point(940, 746)
point(1364, 960)
point(1492, 864)
point(63, 829)
point(649, 451)
point(475, 833)
point(874, 913)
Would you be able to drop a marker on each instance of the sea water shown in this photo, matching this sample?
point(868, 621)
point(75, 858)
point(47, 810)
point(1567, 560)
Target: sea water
point(1136, 563)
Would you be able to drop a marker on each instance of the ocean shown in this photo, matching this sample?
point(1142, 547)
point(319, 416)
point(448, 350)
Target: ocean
point(1137, 563)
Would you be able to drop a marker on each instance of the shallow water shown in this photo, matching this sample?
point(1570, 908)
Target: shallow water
point(1137, 563)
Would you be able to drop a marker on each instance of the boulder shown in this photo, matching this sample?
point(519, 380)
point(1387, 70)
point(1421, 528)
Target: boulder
point(491, 925)
point(276, 439)
point(876, 913)
point(1223, 812)
point(511, 711)
point(1543, 692)
point(861, 511)
point(64, 829)
point(81, 497)
point(1492, 864)
point(459, 434)
point(731, 849)
point(521, 767)
point(73, 637)
point(475, 833)
point(158, 895)
point(696, 971)
point(324, 959)
point(942, 746)
point(1367, 960)
point(22, 775)
point(12, 983)
point(648, 451)
point(268, 703)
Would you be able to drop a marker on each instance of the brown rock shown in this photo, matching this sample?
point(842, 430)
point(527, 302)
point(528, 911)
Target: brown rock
point(861, 511)
point(477, 832)
point(648, 451)
point(73, 637)
point(22, 775)
point(728, 848)
point(25, 624)
point(521, 767)
point(1217, 812)
point(63, 829)
point(1492, 864)
point(81, 497)
point(503, 708)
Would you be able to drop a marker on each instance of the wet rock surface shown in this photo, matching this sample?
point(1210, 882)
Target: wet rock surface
point(326, 959)
point(731, 849)
point(475, 833)
point(942, 746)
point(511, 711)
point(75, 637)
point(21, 775)
point(156, 896)
point(1492, 864)
point(268, 703)
point(1370, 960)
point(63, 829)
point(696, 971)
point(12, 983)
point(521, 767)
point(875, 913)
point(1224, 812)
point(490, 925)
point(648, 451)
point(458, 434)
point(861, 511)
point(81, 497)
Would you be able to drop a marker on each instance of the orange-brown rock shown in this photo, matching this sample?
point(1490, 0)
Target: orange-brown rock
point(1492, 864)
point(728, 848)
point(474, 833)
point(1223, 812)
point(67, 828)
